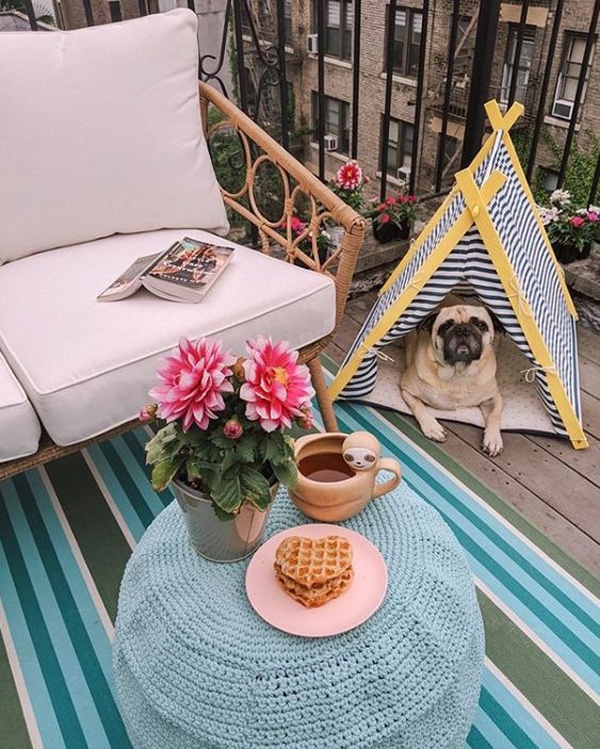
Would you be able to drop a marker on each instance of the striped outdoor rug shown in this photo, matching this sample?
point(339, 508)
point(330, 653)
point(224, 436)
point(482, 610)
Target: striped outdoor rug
point(67, 530)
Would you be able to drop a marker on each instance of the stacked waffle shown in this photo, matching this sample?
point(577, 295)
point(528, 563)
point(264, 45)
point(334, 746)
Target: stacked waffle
point(314, 571)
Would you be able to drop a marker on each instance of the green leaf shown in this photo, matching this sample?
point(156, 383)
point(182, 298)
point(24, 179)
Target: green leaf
point(286, 473)
point(255, 487)
point(165, 443)
point(164, 471)
point(245, 450)
point(274, 447)
point(227, 493)
point(221, 514)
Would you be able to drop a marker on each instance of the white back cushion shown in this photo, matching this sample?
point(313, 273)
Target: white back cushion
point(100, 133)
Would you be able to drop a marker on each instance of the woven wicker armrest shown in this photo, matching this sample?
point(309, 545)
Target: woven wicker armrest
point(256, 158)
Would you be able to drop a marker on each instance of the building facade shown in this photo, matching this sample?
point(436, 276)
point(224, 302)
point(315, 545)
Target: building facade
point(415, 46)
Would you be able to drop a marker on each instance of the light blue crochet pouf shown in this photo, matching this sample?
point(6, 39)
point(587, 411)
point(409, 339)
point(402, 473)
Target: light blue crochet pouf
point(196, 668)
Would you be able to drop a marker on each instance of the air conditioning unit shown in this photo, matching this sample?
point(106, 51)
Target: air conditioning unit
point(330, 142)
point(312, 44)
point(403, 174)
point(563, 108)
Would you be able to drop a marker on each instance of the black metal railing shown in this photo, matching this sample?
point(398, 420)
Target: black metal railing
point(262, 44)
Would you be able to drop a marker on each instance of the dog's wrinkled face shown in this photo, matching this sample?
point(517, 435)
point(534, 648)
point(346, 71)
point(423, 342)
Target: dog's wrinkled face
point(461, 333)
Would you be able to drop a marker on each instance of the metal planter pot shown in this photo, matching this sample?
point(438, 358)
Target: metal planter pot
point(220, 540)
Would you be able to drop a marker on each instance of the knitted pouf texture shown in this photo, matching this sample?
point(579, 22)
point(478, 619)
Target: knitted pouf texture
point(196, 668)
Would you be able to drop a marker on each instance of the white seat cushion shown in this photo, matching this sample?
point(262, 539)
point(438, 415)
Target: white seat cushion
point(100, 133)
point(87, 365)
point(19, 426)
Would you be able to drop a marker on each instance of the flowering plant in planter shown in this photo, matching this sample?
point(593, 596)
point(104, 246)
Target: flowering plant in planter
point(569, 226)
point(349, 184)
point(226, 420)
point(396, 209)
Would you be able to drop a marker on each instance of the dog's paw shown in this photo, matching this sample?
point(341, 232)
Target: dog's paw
point(492, 443)
point(433, 429)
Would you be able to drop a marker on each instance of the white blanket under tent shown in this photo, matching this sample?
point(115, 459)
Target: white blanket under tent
point(485, 240)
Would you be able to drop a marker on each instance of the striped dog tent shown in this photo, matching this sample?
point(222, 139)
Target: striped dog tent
point(486, 237)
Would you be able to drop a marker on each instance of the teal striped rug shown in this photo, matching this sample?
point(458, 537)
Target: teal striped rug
point(67, 530)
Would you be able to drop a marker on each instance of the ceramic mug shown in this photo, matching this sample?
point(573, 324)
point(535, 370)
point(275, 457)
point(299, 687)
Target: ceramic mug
point(332, 488)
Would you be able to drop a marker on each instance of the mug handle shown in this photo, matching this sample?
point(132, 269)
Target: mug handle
point(392, 465)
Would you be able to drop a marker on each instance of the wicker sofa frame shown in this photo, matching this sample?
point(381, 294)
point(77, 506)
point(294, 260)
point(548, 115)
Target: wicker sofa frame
point(321, 208)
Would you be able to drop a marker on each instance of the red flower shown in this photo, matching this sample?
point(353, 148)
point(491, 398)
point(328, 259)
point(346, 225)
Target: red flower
point(577, 222)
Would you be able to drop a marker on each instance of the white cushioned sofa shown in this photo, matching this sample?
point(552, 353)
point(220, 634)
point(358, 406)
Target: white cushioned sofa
point(105, 157)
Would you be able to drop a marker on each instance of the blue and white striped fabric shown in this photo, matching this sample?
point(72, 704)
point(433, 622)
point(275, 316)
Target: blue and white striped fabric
point(534, 280)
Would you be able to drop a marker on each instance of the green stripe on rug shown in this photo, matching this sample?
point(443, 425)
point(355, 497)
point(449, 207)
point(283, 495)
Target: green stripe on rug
point(14, 728)
point(98, 535)
point(564, 705)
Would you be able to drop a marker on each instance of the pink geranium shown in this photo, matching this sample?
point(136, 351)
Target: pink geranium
point(277, 389)
point(195, 377)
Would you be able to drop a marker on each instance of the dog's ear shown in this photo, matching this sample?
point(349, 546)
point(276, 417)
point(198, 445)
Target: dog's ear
point(427, 322)
point(498, 327)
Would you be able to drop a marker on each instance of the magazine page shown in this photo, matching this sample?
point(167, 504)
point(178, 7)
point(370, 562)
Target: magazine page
point(129, 281)
point(188, 269)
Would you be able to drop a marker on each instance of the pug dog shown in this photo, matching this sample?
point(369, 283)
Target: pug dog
point(450, 363)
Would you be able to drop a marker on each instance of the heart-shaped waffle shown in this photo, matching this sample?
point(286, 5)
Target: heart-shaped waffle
point(318, 594)
point(313, 561)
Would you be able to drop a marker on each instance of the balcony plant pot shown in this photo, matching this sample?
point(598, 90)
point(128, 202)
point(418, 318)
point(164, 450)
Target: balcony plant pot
point(221, 540)
point(391, 232)
point(568, 253)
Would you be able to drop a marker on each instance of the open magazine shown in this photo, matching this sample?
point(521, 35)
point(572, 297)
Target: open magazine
point(182, 273)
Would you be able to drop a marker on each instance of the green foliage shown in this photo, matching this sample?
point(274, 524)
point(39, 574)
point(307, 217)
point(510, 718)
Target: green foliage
point(231, 471)
point(581, 166)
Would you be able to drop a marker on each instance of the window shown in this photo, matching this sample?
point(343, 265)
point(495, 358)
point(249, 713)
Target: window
point(287, 21)
point(407, 41)
point(523, 67)
point(568, 77)
point(400, 145)
point(339, 22)
point(337, 117)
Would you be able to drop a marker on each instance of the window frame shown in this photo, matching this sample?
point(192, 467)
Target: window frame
point(405, 68)
point(399, 146)
point(570, 38)
point(346, 28)
point(343, 130)
point(508, 66)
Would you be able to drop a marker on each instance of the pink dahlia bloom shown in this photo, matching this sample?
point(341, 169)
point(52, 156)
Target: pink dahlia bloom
point(195, 376)
point(349, 176)
point(277, 389)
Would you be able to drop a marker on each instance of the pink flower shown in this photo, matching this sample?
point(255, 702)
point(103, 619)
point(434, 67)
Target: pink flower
point(276, 386)
point(349, 176)
point(195, 378)
point(233, 429)
point(577, 222)
point(593, 217)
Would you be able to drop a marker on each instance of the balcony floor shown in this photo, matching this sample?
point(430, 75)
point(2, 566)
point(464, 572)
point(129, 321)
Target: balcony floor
point(556, 488)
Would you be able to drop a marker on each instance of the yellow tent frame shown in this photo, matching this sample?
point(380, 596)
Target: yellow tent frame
point(476, 212)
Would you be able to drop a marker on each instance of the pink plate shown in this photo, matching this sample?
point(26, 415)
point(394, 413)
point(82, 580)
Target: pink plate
point(352, 608)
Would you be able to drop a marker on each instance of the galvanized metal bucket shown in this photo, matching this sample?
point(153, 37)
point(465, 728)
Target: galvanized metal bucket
point(220, 540)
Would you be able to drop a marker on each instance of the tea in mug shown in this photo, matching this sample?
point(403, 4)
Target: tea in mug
point(326, 467)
